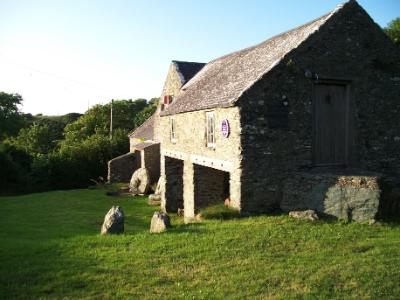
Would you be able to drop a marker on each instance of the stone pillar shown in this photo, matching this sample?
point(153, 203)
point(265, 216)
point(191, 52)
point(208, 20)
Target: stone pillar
point(142, 160)
point(188, 191)
point(235, 188)
point(162, 175)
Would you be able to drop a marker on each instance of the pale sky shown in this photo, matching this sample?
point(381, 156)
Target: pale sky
point(62, 56)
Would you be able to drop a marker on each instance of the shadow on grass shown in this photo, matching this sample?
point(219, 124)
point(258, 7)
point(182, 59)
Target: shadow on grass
point(219, 212)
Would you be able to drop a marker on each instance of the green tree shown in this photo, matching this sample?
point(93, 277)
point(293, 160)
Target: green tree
point(10, 118)
point(14, 169)
point(37, 139)
point(393, 30)
point(97, 119)
point(145, 113)
point(87, 139)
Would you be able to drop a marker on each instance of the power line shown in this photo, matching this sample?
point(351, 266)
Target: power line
point(57, 76)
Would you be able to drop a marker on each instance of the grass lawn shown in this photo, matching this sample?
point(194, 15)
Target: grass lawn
point(50, 247)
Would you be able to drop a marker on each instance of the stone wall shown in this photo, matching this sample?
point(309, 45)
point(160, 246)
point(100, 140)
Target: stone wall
point(191, 139)
point(121, 168)
point(348, 47)
point(348, 197)
point(190, 147)
point(172, 87)
point(173, 82)
point(210, 186)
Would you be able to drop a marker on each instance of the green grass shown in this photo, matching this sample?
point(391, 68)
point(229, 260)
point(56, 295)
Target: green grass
point(50, 248)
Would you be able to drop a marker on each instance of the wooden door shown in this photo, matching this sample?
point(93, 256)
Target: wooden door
point(331, 111)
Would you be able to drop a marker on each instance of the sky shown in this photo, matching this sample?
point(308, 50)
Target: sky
point(65, 56)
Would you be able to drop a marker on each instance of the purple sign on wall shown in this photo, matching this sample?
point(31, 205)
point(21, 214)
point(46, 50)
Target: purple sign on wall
point(225, 128)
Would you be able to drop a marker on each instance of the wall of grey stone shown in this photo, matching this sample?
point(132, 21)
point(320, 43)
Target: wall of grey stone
point(347, 46)
point(348, 197)
point(190, 133)
point(210, 186)
point(173, 83)
point(172, 87)
point(152, 161)
point(121, 168)
point(173, 180)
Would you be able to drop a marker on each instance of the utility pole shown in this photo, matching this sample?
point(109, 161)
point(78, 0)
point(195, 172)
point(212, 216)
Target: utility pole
point(111, 120)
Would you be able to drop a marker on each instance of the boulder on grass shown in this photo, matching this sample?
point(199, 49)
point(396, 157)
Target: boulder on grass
point(140, 182)
point(113, 221)
point(159, 222)
point(154, 199)
point(304, 214)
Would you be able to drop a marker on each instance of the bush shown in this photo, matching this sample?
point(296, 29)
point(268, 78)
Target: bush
point(14, 169)
point(54, 171)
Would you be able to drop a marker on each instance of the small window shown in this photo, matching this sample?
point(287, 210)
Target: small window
point(172, 129)
point(210, 129)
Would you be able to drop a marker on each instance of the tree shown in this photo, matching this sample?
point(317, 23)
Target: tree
point(37, 139)
point(87, 139)
point(393, 30)
point(97, 119)
point(10, 118)
point(145, 113)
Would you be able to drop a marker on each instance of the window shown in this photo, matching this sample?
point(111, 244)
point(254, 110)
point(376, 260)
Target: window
point(172, 129)
point(210, 129)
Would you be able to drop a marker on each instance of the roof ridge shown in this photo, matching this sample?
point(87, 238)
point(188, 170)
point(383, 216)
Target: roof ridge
point(184, 61)
point(241, 69)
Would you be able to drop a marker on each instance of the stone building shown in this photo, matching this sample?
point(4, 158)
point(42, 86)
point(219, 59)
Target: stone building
point(144, 142)
point(306, 119)
point(144, 153)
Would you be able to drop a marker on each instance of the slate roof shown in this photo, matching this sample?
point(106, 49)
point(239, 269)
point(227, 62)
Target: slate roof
point(144, 145)
point(221, 82)
point(145, 131)
point(187, 70)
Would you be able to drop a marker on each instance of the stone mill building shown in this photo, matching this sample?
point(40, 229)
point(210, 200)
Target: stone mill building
point(308, 119)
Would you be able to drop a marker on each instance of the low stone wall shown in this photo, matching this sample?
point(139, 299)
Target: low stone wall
point(349, 197)
point(121, 168)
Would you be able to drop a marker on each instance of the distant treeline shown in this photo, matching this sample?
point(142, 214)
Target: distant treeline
point(39, 153)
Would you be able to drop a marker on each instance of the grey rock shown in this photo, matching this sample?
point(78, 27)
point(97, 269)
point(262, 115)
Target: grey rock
point(159, 222)
point(113, 221)
point(140, 182)
point(346, 197)
point(304, 214)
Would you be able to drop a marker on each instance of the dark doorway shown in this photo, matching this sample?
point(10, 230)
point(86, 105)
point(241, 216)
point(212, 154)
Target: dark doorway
point(331, 124)
point(173, 184)
point(211, 186)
